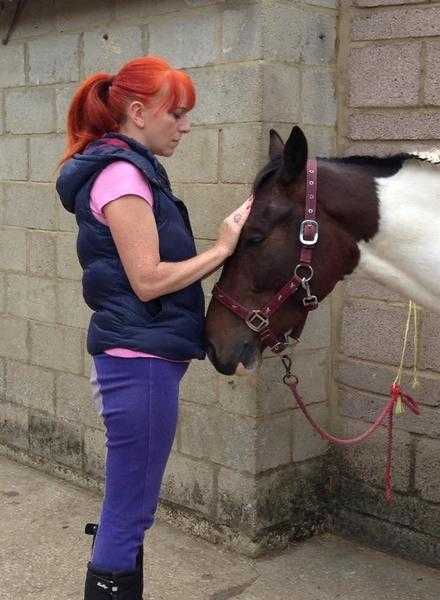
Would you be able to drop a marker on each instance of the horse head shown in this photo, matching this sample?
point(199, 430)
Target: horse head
point(269, 249)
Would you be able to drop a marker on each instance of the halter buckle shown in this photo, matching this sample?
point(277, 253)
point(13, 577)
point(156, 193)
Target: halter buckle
point(308, 223)
point(256, 321)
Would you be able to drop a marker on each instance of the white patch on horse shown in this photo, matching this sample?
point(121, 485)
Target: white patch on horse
point(405, 253)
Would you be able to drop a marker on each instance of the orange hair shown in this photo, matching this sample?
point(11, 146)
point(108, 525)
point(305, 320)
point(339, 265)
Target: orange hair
point(98, 105)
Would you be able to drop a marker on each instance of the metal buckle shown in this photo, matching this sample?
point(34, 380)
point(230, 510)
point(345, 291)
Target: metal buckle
point(310, 302)
point(256, 321)
point(301, 232)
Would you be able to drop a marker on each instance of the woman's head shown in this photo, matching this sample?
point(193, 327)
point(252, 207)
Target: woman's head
point(147, 100)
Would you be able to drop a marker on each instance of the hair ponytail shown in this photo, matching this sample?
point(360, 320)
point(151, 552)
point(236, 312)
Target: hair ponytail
point(98, 105)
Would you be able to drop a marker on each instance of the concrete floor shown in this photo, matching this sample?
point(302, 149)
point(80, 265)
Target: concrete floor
point(43, 554)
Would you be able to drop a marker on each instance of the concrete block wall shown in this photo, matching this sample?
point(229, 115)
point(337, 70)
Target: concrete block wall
point(388, 103)
point(245, 468)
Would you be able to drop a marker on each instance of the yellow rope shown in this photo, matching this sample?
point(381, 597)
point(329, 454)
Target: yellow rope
point(412, 313)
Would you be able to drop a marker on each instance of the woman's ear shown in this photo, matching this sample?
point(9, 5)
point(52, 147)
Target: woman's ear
point(136, 112)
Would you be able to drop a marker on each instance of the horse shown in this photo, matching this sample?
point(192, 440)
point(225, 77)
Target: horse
point(376, 216)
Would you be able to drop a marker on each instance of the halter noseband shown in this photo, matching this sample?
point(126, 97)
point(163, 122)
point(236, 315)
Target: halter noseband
point(258, 319)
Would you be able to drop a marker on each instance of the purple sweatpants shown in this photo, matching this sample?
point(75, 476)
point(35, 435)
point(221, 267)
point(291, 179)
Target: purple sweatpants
point(138, 399)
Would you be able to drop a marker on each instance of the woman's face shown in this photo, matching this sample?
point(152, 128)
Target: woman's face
point(161, 131)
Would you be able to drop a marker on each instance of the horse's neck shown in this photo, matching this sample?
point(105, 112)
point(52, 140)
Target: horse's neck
point(405, 253)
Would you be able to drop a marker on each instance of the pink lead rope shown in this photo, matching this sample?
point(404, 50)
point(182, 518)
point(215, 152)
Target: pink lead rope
point(396, 394)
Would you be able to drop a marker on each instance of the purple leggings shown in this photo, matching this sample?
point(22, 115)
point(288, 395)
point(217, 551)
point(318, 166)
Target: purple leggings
point(138, 399)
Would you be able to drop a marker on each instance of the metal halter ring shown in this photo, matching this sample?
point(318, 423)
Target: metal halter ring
point(303, 266)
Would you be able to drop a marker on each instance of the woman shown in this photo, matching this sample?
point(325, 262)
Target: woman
point(142, 281)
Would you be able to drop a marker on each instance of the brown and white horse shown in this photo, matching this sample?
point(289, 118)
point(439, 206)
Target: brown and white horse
point(380, 216)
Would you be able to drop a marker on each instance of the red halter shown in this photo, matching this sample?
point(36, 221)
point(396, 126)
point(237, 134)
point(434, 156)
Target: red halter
point(258, 319)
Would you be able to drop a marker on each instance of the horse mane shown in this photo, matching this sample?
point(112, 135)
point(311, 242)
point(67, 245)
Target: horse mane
point(391, 161)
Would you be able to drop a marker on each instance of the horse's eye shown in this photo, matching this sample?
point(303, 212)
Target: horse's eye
point(256, 239)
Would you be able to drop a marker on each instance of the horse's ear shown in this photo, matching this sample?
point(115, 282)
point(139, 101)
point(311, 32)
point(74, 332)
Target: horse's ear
point(276, 145)
point(294, 156)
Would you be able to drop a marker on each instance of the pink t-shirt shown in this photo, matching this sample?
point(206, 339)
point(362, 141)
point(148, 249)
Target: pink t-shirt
point(120, 178)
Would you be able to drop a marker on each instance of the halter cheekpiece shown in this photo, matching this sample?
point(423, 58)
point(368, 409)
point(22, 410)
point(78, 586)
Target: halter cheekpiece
point(258, 319)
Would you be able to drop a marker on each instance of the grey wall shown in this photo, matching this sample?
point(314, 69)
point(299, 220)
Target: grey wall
point(245, 468)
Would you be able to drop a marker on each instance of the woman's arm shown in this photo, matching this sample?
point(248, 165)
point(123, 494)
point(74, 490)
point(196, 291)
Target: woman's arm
point(134, 231)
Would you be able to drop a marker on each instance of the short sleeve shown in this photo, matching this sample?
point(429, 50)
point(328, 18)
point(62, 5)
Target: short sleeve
point(120, 178)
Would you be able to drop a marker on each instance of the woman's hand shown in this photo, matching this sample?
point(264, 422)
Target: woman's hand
point(231, 227)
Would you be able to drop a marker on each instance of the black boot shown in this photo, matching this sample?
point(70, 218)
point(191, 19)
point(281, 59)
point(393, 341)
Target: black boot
point(91, 529)
point(103, 585)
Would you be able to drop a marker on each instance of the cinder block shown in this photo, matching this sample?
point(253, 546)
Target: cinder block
point(12, 65)
point(194, 433)
point(242, 33)
point(189, 482)
point(242, 152)
point(42, 254)
point(66, 220)
point(54, 59)
point(74, 400)
point(81, 14)
point(330, 3)
point(13, 338)
point(430, 343)
point(318, 97)
point(281, 92)
point(221, 90)
point(238, 395)
point(57, 347)
point(12, 249)
point(56, 439)
point(363, 287)
point(427, 468)
point(196, 158)
point(36, 18)
point(94, 453)
point(30, 110)
point(319, 37)
point(237, 499)
point(71, 308)
point(107, 50)
point(366, 3)
point(132, 10)
point(234, 439)
point(307, 443)
point(385, 325)
point(13, 158)
point(393, 125)
point(30, 297)
point(396, 22)
point(200, 383)
point(63, 97)
point(283, 22)
point(367, 406)
point(377, 378)
point(208, 205)
point(274, 441)
point(311, 368)
point(169, 38)
point(67, 260)
point(29, 385)
point(321, 140)
point(45, 153)
point(14, 425)
point(385, 75)
point(30, 205)
point(317, 330)
point(367, 461)
point(432, 73)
